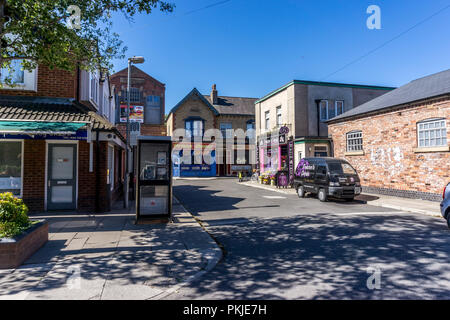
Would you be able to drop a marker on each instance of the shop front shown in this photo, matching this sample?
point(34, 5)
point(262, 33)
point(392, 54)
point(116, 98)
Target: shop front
point(194, 161)
point(46, 163)
point(275, 158)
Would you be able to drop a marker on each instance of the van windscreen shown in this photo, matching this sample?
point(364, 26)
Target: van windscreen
point(341, 168)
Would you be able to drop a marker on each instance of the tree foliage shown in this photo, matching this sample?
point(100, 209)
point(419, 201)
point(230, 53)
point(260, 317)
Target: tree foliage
point(37, 30)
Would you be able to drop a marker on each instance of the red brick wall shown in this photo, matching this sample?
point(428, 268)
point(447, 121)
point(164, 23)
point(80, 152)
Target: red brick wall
point(13, 254)
point(88, 186)
point(389, 140)
point(146, 130)
point(51, 83)
point(33, 179)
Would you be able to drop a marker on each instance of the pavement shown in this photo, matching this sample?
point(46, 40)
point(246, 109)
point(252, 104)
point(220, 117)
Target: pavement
point(107, 256)
point(277, 246)
point(430, 208)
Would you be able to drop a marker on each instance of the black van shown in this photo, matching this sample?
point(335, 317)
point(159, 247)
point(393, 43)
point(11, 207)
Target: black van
point(327, 177)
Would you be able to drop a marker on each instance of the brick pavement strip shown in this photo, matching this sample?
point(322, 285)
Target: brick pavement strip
point(109, 257)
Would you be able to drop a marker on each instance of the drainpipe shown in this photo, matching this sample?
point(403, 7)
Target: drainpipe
point(78, 82)
point(97, 172)
point(318, 117)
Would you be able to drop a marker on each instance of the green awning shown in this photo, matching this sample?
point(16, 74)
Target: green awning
point(36, 127)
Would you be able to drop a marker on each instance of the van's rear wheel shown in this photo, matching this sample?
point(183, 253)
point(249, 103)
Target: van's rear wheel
point(322, 195)
point(301, 192)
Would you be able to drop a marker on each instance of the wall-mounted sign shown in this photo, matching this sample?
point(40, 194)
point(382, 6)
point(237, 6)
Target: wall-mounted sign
point(136, 113)
point(284, 130)
point(291, 161)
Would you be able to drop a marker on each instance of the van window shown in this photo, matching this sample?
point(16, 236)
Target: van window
point(341, 168)
point(322, 170)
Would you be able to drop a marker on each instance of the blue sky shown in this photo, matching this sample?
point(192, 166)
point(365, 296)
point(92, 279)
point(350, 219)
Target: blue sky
point(251, 47)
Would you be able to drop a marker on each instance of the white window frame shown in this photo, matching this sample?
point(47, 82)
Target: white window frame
point(279, 116)
point(21, 164)
point(354, 136)
point(30, 82)
point(267, 120)
point(430, 134)
point(94, 88)
point(336, 107)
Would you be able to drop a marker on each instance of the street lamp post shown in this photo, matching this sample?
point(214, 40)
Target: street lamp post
point(135, 60)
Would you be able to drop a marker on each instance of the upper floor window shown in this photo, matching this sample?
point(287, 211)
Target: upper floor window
point(194, 128)
point(250, 129)
point(432, 133)
point(135, 95)
point(279, 115)
point(339, 106)
point(227, 129)
point(329, 111)
point(94, 88)
point(19, 79)
point(323, 110)
point(354, 141)
point(267, 120)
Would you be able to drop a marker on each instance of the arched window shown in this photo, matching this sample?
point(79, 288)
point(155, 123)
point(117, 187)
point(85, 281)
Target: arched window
point(432, 133)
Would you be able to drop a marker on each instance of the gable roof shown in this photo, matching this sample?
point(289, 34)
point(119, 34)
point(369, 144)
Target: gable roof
point(134, 72)
point(202, 98)
point(234, 105)
point(432, 86)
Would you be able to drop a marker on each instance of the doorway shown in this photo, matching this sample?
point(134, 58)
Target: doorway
point(61, 177)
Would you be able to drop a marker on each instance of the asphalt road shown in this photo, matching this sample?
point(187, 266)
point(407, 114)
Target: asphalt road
point(278, 246)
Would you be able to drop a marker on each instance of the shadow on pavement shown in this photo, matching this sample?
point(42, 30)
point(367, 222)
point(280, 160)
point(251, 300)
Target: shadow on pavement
point(326, 256)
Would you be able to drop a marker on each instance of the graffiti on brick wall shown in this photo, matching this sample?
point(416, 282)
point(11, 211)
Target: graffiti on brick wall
point(388, 158)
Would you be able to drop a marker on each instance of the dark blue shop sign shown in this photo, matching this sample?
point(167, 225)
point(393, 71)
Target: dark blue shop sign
point(196, 167)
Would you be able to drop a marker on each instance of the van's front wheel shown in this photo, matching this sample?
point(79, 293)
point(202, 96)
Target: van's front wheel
point(301, 192)
point(448, 220)
point(322, 195)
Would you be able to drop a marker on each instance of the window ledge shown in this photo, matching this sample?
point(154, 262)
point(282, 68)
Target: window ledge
point(432, 149)
point(354, 153)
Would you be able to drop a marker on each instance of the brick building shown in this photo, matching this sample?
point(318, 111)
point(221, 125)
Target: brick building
point(148, 94)
point(399, 142)
point(59, 149)
point(199, 115)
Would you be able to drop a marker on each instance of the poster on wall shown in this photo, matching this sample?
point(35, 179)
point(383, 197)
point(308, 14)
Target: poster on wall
point(136, 113)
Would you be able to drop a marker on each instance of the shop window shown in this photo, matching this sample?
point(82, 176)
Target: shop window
point(432, 133)
point(354, 141)
point(320, 151)
point(11, 167)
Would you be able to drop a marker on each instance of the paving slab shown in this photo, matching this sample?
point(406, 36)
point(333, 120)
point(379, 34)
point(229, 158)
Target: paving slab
point(107, 256)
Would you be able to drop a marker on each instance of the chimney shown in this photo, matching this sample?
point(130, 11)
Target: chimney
point(214, 98)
